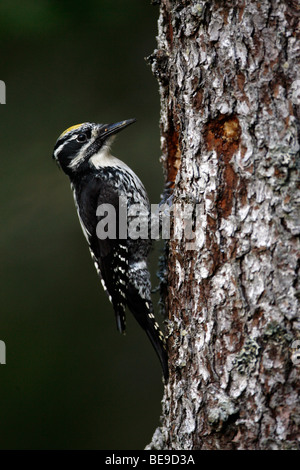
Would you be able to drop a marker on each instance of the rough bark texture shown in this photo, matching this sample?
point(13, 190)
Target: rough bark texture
point(229, 88)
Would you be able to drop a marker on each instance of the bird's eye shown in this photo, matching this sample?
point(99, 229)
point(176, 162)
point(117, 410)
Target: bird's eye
point(81, 138)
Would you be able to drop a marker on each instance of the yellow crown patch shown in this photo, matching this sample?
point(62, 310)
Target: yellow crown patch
point(71, 129)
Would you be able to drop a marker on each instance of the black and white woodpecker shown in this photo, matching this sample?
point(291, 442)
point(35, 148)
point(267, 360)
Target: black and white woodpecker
point(83, 153)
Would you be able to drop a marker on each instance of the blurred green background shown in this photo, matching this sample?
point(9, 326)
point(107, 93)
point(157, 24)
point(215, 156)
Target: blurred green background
point(71, 380)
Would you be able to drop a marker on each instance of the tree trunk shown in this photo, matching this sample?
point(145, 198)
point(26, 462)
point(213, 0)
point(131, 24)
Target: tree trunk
point(230, 94)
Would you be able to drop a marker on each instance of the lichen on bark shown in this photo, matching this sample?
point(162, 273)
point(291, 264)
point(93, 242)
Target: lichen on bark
point(228, 75)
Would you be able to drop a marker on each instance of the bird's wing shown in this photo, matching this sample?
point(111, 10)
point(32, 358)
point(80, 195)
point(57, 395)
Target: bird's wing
point(110, 255)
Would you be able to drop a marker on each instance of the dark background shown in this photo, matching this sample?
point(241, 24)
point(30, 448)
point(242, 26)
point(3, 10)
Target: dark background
point(71, 380)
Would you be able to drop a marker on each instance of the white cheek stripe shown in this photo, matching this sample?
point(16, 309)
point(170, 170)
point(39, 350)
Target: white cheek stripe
point(58, 150)
point(80, 156)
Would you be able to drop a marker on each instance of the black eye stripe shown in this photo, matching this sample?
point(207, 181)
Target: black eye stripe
point(69, 149)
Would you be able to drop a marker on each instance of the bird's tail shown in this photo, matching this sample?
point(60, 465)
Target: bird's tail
point(143, 313)
point(159, 343)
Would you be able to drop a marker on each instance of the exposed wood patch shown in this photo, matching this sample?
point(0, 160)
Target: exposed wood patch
point(172, 149)
point(223, 135)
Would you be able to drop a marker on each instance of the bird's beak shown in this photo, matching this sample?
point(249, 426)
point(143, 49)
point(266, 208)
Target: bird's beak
point(110, 129)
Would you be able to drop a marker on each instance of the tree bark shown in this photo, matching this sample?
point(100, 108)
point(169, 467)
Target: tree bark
point(230, 94)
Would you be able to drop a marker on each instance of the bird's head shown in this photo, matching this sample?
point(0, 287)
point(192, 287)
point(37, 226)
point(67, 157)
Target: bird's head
point(86, 145)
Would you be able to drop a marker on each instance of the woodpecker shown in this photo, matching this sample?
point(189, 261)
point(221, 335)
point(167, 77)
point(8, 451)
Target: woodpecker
point(83, 153)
